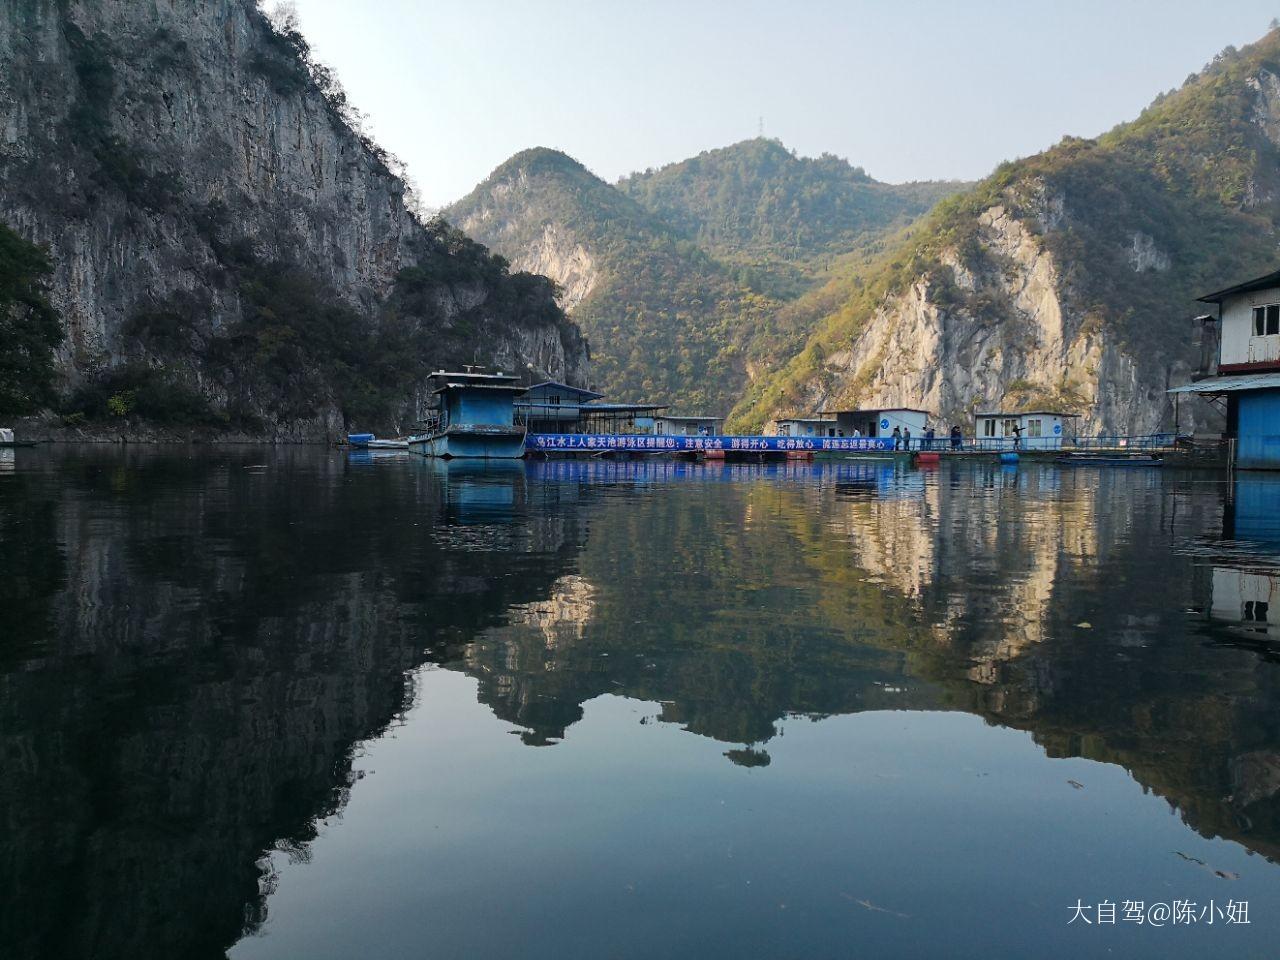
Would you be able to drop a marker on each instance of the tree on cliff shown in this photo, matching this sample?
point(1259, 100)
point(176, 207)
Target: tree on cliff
point(29, 326)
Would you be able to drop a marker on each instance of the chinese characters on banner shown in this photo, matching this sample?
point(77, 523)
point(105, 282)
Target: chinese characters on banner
point(601, 441)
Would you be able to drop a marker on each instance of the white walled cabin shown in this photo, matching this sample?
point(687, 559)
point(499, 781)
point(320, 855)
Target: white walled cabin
point(807, 427)
point(1041, 429)
point(880, 423)
point(687, 426)
point(1250, 335)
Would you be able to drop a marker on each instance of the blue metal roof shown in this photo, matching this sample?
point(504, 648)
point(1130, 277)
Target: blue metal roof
point(556, 384)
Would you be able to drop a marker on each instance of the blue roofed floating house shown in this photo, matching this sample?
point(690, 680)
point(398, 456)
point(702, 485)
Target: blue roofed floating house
point(557, 408)
point(474, 417)
point(1240, 369)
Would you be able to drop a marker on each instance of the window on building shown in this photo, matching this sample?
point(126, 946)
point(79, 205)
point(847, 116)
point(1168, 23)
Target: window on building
point(554, 399)
point(1266, 320)
point(988, 428)
point(1255, 611)
point(1033, 428)
point(831, 431)
point(784, 429)
point(1008, 427)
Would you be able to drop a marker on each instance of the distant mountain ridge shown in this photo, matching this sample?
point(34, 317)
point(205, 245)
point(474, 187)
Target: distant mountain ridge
point(1066, 279)
point(758, 205)
point(681, 290)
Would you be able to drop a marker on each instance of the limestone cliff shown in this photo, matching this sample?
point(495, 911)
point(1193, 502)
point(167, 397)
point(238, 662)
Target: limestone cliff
point(1067, 279)
point(195, 178)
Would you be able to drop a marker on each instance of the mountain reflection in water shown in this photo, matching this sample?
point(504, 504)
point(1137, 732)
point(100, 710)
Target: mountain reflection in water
point(196, 646)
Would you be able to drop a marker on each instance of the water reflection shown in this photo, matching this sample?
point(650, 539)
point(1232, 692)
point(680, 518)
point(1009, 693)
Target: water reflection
point(202, 641)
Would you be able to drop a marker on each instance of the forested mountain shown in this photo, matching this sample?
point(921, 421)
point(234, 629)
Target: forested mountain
point(780, 218)
point(1068, 278)
point(680, 277)
point(187, 192)
point(666, 321)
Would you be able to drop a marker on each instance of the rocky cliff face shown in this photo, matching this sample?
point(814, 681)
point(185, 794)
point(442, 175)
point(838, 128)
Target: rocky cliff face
point(169, 153)
point(1067, 280)
point(1008, 337)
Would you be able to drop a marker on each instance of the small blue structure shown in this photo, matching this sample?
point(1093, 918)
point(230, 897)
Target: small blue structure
point(475, 417)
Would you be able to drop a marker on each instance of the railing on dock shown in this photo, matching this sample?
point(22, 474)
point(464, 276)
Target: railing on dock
point(600, 443)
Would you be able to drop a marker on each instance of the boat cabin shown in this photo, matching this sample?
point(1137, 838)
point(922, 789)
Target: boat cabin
point(687, 426)
point(472, 398)
point(1041, 429)
point(807, 427)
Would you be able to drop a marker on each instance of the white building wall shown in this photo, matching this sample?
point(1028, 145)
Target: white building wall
point(805, 428)
point(1238, 344)
point(1053, 430)
point(904, 420)
point(679, 427)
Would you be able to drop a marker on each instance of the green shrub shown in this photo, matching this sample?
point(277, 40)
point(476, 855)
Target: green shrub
point(29, 327)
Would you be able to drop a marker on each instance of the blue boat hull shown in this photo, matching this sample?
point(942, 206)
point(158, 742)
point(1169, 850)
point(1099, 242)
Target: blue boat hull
point(471, 444)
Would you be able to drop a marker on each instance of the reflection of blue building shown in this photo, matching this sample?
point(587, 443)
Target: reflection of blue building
point(1243, 371)
point(480, 493)
point(1246, 579)
point(1253, 511)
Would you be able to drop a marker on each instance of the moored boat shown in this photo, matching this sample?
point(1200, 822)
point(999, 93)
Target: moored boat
point(475, 417)
point(1111, 460)
point(7, 439)
point(367, 441)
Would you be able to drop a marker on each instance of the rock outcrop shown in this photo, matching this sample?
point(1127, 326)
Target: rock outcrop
point(169, 155)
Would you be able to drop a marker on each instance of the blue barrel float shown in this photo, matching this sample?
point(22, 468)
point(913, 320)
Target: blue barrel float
point(359, 439)
point(1008, 458)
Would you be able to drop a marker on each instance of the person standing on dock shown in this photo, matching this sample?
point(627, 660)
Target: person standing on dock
point(897, 438)
point(928, 439)
point(956, 437)
point(906, 439)
point(1017, 437)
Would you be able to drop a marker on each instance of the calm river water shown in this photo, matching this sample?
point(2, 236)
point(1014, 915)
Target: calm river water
point(285, 703)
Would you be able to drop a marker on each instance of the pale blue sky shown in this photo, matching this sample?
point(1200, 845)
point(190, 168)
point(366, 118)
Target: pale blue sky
point(909, 89)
